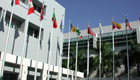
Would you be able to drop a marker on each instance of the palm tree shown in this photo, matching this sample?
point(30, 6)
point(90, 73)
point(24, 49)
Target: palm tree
point(81, 64)
point(107, 59)
point(134, 56)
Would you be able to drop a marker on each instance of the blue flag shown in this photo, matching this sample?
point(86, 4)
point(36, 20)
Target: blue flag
point(12, 2)
point(61, 26)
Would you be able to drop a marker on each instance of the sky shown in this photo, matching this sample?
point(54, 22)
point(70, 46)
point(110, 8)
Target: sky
point(83, 11)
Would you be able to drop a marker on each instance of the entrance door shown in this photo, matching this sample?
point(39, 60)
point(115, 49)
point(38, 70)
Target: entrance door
point(10, 76)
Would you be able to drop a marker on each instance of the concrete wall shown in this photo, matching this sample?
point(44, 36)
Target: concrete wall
point(15, 44)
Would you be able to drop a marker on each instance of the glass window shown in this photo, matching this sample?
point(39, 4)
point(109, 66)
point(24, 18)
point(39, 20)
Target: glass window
point(119, 33)
point(105, 35)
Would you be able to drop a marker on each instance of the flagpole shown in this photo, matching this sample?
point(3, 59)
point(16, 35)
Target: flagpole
point(50, 54)
point(100, 53)
point(7, 40)
point(38, 48)
point(38, 51)
point(76, 56)
point(88, 57)
point(127, 50)
point(23, 48)
point(113, 53)
point(68, 52)
point(61, 40)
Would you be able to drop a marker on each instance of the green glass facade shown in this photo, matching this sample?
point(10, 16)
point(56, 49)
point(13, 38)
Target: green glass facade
point(119, 40)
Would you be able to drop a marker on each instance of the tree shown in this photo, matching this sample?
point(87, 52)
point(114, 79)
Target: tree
point(81, 60)
point(106, 59)
point(134, 56)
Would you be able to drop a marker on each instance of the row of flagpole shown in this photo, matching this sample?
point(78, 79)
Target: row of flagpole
point(7, 37)
point(30, 11)
point(100, 53)
point(25, 38)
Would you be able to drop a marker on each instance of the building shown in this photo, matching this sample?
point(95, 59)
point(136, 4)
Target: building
point(16, 38)
point(119, 37)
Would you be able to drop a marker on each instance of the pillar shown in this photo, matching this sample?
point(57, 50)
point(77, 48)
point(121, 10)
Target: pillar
point(24, 72)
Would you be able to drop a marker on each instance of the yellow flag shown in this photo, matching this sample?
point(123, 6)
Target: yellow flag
point(73, 29)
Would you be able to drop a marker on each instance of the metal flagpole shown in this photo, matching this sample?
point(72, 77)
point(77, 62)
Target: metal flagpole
point(113, 53)
point(127, 49)
point(50, 54)
point(100, 52)
point(68, 52)
point(61, 41)
point(76, 56)
point(88, 57)
point(38, 50)
point(7, 40)
point(23, 48)
point(38, 47)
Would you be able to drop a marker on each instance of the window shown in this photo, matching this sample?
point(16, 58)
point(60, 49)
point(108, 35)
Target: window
point(16, 21)
point(38, 5)
point(33, 31)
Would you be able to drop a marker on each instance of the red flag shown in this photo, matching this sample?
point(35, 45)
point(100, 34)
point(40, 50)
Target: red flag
point(54, 21)
point(54, 24)
point(31, 8)
point(127, 24)
point(42, 13)
point(91, 32)
point(16, 2)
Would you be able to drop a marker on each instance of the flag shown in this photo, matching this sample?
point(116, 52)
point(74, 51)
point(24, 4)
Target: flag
point(101, 29)
point(31, 8)
point(116, 25)
point(91, 32)
point(73, 29)
point(12, 3)
point(2, 22)
point(42, 13)
point(127, 24)
point(79, 33)
point(16, 2)
point(61, 25)
point(139, 16)
point(54, 21)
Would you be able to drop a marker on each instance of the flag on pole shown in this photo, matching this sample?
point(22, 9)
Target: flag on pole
point(61, 25)
point(116, 25)
point(91, 32)
point(54, 21)
point(16, 2)
point(79, 33)
point(73, 29)
point(12, 2)
point(42, 13)
point(31, 8)
point(101, 29)
point(127, 24)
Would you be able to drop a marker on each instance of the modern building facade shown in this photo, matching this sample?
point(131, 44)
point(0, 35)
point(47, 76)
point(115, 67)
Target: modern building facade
point(16, 37)
point(119, 38)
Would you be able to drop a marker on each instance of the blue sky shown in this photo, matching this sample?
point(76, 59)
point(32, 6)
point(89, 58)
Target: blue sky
point(83, 11)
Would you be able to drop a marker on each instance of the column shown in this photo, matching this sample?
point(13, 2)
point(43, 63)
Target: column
point(24, 72)
point(44, 74)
